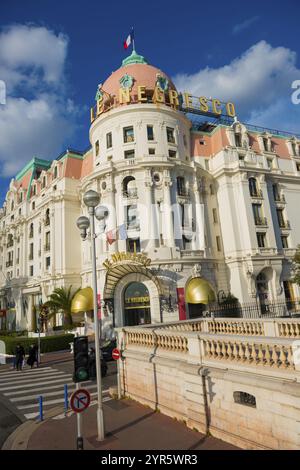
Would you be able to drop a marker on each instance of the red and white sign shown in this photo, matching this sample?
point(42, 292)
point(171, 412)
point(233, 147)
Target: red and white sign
point(116, 354)
point(80, 400)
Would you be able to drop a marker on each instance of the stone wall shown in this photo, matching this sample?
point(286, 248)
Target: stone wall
point(168, 371)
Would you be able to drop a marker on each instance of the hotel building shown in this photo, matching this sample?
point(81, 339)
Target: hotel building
point(210, 208)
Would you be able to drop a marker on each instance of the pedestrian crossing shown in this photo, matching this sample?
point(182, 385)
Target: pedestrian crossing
point(23, 389)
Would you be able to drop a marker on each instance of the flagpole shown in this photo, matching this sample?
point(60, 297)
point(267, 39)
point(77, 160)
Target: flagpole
point(133, 43)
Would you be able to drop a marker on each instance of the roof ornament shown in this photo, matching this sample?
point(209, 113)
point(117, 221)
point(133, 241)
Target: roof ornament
point(162, 82)
point(126, 81)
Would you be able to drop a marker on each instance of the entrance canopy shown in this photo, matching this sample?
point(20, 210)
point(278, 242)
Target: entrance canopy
point(199, 291)
point(83, 301)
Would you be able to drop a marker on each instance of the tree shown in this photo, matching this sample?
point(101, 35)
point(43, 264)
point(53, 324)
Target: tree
point(296, 267)
point(61, 300)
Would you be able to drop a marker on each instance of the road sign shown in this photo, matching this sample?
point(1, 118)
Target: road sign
point(80, 400)
point(116, 354)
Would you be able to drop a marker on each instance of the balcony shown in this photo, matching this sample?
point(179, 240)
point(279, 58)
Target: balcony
point(30, 234)
point(261, 221)
point(130, 193)
point(47, 247)
point(9, 263)
point(133, 226)
point(285, 224)
point(183, 192)
point(279, 198)
point(257, 194)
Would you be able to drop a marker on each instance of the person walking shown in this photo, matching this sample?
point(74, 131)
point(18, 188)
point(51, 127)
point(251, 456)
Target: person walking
point(32, 357)
point(20, 354)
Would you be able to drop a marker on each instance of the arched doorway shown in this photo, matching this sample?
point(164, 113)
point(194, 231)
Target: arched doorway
point(136, 304)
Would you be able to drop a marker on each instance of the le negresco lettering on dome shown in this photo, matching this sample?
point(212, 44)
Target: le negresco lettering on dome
point(161, 94)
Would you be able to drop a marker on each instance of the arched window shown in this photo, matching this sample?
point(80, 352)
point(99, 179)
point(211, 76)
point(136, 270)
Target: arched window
point(129, 187)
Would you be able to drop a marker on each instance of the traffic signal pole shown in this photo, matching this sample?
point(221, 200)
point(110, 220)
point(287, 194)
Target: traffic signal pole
point(100, 418)
point(79, 442)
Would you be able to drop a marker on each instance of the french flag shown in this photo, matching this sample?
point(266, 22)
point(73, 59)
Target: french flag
point(129, 40)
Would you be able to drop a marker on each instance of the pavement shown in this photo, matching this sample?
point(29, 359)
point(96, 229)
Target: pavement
point(128, 424)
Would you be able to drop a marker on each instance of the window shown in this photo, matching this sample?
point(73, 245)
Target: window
point(97, 147)
point(109, 140)
point(129, 154)
point(55, 172)
point(206, 164)
point(151, 151)
point(238, 140)
point(266, 144)
point(257, 212)
point(212, 189)
point(280, 217)
point(44, 182)
point(298, 166)
point(180, 186)
point(172, 153)
point(47, 244)
point(20, 211)
point(218, 240)
point(170, 135)
point(284, 241)
point(33, 206)
point(31, 231)
point(261, 240)
point(133, 246)
point(31, 251)
point(12, 206)
point(48, 262)
point(47, 218)
point(270, 163)
point(244, 398)
point(215, 216)
point(253, 187)
point(132, 217)
point(186, 243)
point(150, 133)
point(31, 271)
point(184, 140)
point(294, 149)
point(128, 134)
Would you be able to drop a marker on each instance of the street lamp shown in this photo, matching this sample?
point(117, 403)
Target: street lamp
point(91, 199)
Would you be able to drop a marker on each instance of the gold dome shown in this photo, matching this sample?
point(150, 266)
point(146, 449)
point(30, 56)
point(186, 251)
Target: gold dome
point(83, 301)
point(199, 291)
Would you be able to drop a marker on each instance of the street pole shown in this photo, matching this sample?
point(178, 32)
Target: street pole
point(79, 442)
point(39, 340)
point(100, 418)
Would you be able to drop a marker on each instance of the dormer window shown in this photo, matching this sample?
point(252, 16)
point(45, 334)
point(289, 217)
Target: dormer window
point(55, 172)
point(238, 139)
point(44, 182)
point(294, 150)
point(266, 144)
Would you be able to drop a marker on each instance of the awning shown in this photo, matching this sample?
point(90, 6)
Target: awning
point(83, 301)
point(199, 291)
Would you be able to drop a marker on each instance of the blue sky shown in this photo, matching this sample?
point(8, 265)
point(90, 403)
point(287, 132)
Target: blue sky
point(54, 53)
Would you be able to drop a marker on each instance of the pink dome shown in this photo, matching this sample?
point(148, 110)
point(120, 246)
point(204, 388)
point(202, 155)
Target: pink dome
point(142, 73)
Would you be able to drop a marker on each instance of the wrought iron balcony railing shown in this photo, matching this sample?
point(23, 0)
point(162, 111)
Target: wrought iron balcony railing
point(261, 221)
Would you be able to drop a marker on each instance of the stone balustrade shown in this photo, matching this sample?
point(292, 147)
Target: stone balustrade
point(156, 339)
point(249, 351)
point(289, 328)
point(233, 327)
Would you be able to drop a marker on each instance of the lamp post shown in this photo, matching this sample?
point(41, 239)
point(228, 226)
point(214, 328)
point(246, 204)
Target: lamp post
point(91, 199)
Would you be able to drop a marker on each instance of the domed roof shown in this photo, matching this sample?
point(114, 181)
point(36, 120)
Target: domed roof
point(142, 73)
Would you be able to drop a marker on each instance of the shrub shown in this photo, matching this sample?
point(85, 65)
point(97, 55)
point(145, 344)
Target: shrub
point(48, 343)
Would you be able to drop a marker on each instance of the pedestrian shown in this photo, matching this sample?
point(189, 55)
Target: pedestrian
point(32, 357)
point(20, 355)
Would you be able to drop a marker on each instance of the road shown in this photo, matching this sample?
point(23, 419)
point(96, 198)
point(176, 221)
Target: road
point(20, 390)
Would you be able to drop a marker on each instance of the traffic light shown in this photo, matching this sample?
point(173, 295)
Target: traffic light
point(81, 359)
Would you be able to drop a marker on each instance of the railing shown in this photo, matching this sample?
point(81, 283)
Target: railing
point(183, 192)
point(130, 193)
point(203, 347)
point(262, 221)
point(47, 247)
point(279, 198)
point(256, 193)
point(284, 224)
point(30, 256)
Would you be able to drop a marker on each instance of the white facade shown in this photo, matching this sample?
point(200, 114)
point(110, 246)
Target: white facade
point(147, 162)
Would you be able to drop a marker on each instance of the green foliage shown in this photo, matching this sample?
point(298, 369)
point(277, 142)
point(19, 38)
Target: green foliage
point(48, 343)
point(13, 333)
point(61, 300)
point(296, 267)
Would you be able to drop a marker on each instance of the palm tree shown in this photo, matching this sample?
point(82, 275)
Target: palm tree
point(61, 299)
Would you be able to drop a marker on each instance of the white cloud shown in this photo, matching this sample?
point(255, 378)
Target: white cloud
point(255, 82)
point(38, 116)
point(244, 25)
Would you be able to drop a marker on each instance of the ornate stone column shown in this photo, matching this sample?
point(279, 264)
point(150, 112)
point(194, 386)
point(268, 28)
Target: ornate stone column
point(149, 217)
point(168, 226)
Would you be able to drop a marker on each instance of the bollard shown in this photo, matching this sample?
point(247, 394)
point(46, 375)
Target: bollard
point(41, 407)
point(66, 398)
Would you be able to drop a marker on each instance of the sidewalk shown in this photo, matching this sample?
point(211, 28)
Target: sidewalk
point(128, 426)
